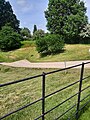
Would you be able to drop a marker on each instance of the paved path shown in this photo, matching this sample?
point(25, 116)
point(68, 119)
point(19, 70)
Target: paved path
point(27, 64)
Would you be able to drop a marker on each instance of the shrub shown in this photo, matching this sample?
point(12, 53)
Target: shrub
point(38, 34)
point(9, 40)
point(51, 44)
point(41, 45)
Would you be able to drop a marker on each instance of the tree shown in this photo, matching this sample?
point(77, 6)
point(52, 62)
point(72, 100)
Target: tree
point(9, 39)
point(7, 15)
point(26, 33)
point(85, 34)
point(35, 29)
point(38, 34)
point(66, 17)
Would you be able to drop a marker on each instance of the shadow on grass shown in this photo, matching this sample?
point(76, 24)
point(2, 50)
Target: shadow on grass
point(81, 112)
point(44, 54)
point(85, 109)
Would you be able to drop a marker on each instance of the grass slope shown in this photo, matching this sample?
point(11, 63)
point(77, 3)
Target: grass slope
point(29, 52)
point(14, 96)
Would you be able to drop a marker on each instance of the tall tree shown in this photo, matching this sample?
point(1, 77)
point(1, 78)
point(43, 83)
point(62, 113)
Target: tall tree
point(85, 34)
point(34, 29)
point(7, 15)
point(66, 17)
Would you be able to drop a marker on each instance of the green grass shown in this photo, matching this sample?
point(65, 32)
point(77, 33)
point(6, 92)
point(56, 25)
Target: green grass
point(27, 43)
point(14, 96)
point(29, 52)
point(85, 114)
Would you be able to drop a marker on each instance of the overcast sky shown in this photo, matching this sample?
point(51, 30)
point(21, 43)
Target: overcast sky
point(31, 12)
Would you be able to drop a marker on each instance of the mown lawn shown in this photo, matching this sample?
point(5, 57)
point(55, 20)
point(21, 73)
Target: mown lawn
point(29, 52)
point(85, 114)
point(14, 96)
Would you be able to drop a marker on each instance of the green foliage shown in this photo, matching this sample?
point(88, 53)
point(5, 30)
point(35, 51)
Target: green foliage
point(50, 44)
point(7, 15)
point(9, 39)
point(34, 29)
point(85, 34)
point(38, 34)
point(25, 32)
point(41, 45)
point(67, 18)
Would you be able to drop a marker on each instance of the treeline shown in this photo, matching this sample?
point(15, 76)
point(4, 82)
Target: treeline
point(68, 18)
point(66, 22)
point(11, 34)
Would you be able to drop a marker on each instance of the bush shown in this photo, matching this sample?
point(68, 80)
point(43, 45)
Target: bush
point(38, 34)
point(9, 40)
point(41, 45)
point(50, 44)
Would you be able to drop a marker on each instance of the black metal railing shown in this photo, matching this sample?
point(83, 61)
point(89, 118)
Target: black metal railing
point(44, 75)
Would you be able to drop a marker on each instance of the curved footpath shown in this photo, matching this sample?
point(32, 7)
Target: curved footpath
point(27, 64)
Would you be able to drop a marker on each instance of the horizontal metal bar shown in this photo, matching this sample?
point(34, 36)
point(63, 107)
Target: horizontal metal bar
point(61, 103)
point(25, 79)
point(85, 88)
point(84, 105)
point(62, 89)
point(66, 68)
point(85, 78)
point(66, 111)
point(79, 110)
point(47, 73)
point(85, 97)
point(86, 62)
point(73, 115)
point(18, 81)
point(19, 109)
point(57, 106)
point(38, 117)
point(60, 115)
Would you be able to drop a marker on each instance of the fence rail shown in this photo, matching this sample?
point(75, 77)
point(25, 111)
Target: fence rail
point(44, 75)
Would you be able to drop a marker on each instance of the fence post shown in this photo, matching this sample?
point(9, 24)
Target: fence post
point(43, 95)
point(80, 88)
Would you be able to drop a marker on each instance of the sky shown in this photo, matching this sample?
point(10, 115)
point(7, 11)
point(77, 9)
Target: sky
point(31, 12)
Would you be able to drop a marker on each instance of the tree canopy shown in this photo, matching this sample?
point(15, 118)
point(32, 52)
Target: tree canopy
point(9, 39)
point(38, 34)
point(7, 15)
point(66, 17)
point(85, 34)
point(25, 32)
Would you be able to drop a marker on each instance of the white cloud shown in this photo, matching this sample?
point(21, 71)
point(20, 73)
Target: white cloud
point(21, 2)
point(25, 6)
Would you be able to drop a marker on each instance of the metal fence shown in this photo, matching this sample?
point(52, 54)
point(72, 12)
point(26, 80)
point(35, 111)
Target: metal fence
point(44, 75)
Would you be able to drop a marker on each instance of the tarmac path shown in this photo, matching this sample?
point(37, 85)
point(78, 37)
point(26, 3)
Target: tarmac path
point(25, 63)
